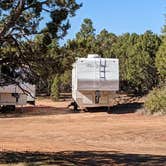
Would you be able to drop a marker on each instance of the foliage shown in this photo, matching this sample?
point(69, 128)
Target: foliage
point(121, 49)
point(55, 88)
point(161, 61)
point(55, 59)
point(19, 22)
point(103, 43)
point(137, 71)
point(66, 81)
point(156, 101)
point(136, 54)
point(21, 18)
point(83, 43)
point(139, 65)
point(86, 30)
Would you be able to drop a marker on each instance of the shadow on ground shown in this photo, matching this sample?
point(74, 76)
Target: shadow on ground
point(34, 111)
point(119, 108)
point(126, 108)
point(81, 158)
point(46, 110)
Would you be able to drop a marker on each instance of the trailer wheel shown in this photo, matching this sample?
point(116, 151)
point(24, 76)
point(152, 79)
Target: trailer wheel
point(12, 107)
point(8, 108)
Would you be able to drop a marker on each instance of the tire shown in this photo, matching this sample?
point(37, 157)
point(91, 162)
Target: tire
point(8, 108)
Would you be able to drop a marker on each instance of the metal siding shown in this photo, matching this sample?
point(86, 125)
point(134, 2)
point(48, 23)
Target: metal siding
point(74, 82)
point(31, 89)
point(23, 100)
point(88, 74)
point(86, 79)
point(8, 99)
point(10, 89)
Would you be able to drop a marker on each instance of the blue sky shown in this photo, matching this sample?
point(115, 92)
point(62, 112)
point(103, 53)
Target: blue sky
point(120, 16)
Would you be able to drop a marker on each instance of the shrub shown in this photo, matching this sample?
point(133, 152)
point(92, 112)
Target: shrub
point(55, 88)
point(65, 79)
point(160, 61)
point(156, 101)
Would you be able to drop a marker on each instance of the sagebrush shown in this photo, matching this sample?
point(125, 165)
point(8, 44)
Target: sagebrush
point(156, 101)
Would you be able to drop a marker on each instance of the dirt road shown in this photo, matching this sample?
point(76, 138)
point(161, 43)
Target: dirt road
point(83, 137)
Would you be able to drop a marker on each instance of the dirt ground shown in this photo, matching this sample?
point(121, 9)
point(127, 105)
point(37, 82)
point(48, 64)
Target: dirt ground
point(52, 134)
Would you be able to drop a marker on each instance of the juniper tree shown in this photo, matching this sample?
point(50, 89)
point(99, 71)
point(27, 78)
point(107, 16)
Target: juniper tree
point(20, 20)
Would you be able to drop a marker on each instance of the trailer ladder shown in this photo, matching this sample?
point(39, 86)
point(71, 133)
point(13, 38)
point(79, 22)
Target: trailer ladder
point(102, 68)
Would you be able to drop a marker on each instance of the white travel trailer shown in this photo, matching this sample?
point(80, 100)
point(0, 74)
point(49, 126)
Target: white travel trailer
point(95, 81)
point(13, 91)
point(13, 95)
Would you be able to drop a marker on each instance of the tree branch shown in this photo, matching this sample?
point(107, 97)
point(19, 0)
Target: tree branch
point(14, 17)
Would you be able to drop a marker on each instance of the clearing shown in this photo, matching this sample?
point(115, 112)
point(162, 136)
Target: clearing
point(51, 134)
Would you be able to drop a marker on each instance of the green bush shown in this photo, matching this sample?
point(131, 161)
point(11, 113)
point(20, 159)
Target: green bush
point(156, 101)
point(55, 88)
point(160, 61)
point(65, 79)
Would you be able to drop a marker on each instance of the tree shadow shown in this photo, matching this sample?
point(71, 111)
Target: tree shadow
point(81, 158)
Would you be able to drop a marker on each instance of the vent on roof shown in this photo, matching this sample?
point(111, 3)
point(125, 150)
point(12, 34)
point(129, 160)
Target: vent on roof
point(93, 56)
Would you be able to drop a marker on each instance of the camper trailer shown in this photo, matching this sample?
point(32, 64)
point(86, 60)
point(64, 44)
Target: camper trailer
point(13, 95)
point(95, 81)
point(14, 91)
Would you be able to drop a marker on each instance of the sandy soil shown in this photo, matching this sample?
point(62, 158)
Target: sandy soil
point(94, 138)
